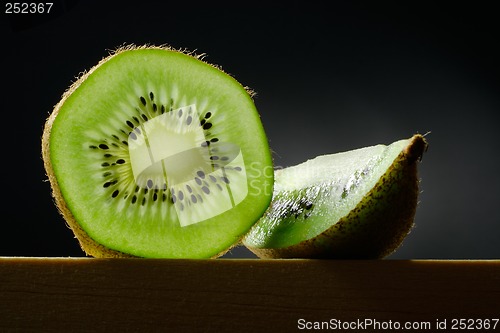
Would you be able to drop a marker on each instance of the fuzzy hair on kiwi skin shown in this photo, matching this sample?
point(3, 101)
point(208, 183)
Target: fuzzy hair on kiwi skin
point(88, 245)
point(345, 240)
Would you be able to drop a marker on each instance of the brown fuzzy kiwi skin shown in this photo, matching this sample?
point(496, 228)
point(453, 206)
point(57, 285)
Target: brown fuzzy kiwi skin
point(88, 245)
point(378, 224)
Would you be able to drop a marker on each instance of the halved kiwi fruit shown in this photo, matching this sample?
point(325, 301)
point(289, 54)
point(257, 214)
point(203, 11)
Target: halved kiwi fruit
point(155, 153)
point(357, 204)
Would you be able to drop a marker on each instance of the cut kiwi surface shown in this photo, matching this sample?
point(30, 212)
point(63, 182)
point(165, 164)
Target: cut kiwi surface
point(356, 204)
point(155, 153)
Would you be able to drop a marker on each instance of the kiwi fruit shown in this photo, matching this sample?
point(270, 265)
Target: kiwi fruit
point(353, 205)
point(155, 153)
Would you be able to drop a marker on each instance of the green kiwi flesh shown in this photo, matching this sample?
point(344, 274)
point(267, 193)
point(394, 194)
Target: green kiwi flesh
point(155, 153)
point(353, 205)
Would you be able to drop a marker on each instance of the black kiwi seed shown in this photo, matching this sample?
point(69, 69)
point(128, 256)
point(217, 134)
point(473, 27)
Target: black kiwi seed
point(309, 205)
point(237, 168)
point(183, 198)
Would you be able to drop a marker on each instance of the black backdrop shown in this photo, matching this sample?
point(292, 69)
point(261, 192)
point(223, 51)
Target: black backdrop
point(330, 77)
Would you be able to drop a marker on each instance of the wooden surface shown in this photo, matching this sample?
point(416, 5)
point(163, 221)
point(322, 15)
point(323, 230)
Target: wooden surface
point(142, 295)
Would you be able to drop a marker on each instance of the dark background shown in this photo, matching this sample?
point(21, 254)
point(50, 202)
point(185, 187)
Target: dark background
point(330, 77)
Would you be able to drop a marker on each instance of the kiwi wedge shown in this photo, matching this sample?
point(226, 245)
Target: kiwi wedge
point(353, 205)
point(155, 153)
